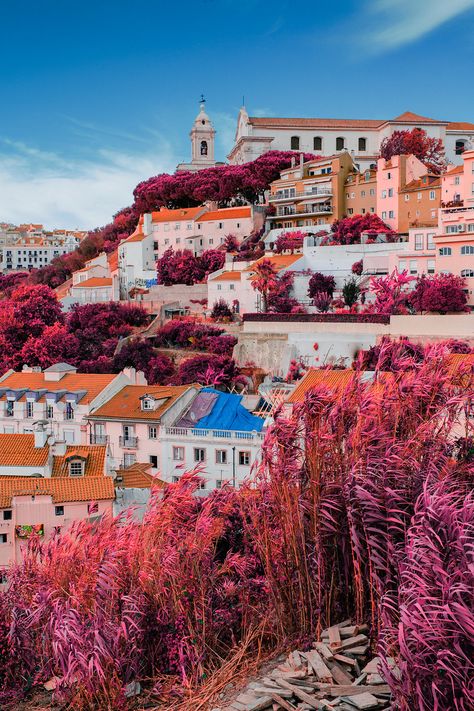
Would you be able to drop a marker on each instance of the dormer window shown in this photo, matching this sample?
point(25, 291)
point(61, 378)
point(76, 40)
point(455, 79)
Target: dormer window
point(148, 404)
point(76, 467)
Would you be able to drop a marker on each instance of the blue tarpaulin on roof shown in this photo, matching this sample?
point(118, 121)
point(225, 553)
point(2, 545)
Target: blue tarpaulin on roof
point(229, 414)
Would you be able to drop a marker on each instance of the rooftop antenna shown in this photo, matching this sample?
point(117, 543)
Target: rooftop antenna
point(202, 99)
point(243, 100)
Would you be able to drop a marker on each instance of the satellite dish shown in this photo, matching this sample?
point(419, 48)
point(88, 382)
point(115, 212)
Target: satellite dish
point(51, 439)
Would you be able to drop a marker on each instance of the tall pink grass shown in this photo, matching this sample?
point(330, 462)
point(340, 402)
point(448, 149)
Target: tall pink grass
point(363, 507)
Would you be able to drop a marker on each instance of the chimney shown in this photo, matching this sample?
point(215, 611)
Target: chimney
point(301, 165)
point(293, 161)
point(41, 436)
point(135, 377)
point(58, 449)
point(147, 223)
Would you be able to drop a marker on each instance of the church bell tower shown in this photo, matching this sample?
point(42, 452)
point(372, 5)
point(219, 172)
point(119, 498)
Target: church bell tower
point(202, 138)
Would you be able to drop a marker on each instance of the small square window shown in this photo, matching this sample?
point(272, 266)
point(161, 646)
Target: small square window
point(59, 510)
point(178, 454)
point(7, 515)
point(199, 454)
point(221, 456)
point(3, 538)
point(154, 461)
point(244, 459)
point(152, 433)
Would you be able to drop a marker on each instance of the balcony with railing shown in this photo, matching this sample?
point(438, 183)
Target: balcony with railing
point(301, 210)
point(211, 435)
point(128, 442)
point(299, 194)
point(98, 439)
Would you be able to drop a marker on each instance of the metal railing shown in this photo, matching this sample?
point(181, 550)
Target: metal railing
point(99, 439)
point(320, 209)
point(300, 194)
point(128, 442)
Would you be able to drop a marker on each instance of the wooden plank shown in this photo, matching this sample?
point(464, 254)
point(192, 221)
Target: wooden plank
point(358, 651)
point(339, 675)
point(345, 660)
point(317, 663)
point(269, 690)
point(351, 690)
point(302, 695)
point(284, 704)
point(359, 639)
point(363, 701)
point(324, 650)
point(277, 674)
point(334, 637)
point(260, 704)
point(373, 666)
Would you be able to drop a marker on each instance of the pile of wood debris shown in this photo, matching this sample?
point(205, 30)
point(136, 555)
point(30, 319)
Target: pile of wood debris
point(336, 675)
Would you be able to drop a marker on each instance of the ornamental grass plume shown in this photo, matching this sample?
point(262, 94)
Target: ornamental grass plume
point(362, 506)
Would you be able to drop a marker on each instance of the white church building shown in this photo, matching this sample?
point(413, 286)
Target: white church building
point(362, 138)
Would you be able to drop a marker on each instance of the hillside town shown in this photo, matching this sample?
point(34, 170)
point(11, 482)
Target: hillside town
point(258, 360)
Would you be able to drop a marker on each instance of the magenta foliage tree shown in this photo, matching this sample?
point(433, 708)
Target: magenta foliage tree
point(231, 243)
point(159, 369)
point(289, 241)
point(221, 311)
point(207, 369)
point(180, 267)
point(348, 230)
point(444, 293)
point(416, 142)
point(391, 293)
point(318, 283)
point(211, 260)
point(357, 267)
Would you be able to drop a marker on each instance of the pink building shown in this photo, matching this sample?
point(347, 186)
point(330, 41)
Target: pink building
point(214, 226)
point(455, 236)
point(129, 422)
point(45, 486)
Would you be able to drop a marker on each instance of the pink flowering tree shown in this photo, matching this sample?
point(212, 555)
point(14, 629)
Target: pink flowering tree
point(391, 293)
point(265, 280)
point(415, 142)
point(289, 241)
point(444, 293)
point(348, 230)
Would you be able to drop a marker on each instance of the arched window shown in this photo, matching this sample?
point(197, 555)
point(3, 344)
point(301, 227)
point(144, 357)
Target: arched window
point(204, 148)
point(317, 143)
point(362, 144)
point(460, 146)
point(339, 143)
point(467, 273)
point(295, 143)
point(468, 249)
point(445, 252)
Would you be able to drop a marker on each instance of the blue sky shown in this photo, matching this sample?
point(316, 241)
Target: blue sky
point(98, 95)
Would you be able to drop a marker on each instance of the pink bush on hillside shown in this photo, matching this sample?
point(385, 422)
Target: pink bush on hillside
point(348, 230)
point(444, 293)
point(289, 241)
point(416, 142)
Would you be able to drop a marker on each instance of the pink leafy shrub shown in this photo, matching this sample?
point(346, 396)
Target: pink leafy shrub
point(289, 241)
point(444, 293)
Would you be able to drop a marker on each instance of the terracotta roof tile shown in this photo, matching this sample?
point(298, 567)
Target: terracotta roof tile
point(315, 122)
point(126, 404)
point(18, 450)
point(460, 126)
point(279, 261)
point(229, 213)
point(93, 282)
point(139, 476)
point(112, 260)
point(228, 276)
point(61, 490)
point(92, 383)
point(410, 117)
point(136, 236)
point(455, 171)
point(165, 215)
point(333, 379)
point(94, 461)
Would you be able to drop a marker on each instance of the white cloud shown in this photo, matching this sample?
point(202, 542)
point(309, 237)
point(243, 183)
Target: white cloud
point(394, 23)
point(38, 186)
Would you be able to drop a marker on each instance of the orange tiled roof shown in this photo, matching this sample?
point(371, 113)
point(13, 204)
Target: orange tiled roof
point(228, 213)
point(433, 182)
point(460, 126)
point(136, 236)
point(138, 476)
point(333, 379)
point(126, 403)
point(228, 276)
point(165, 215)
point(93, 282)
point(61, 490)
point(92, 383)
point(63, 289)
point(94, 461)
point(455, 171)
point(18, 450)
point(409, 116)
point(315, 122)
point(279, 261)
point(112, 260)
